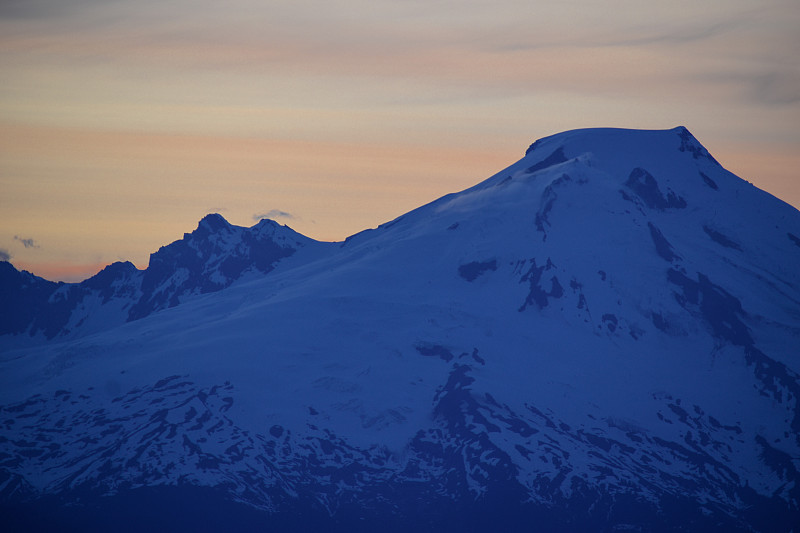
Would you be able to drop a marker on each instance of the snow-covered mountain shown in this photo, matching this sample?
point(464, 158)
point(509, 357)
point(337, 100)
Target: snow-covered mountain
point(605, 336)
point(207, 260)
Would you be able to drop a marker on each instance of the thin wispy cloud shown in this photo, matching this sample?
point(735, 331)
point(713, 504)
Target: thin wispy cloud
point(4, 255)
point(763, 85)
point(675, 35)
point(27, 243)
point(777, 88)
point(48, 9)
point(417, 52)
point(274, 214)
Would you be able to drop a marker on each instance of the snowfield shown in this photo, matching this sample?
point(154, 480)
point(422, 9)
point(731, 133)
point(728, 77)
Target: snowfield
point(603, 336)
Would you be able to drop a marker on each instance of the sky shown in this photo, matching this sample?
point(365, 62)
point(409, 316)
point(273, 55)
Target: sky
point(122, 122)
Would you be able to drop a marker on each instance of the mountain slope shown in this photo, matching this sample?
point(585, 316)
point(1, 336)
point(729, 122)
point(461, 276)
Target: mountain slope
point(603, 336)
point(207, 260)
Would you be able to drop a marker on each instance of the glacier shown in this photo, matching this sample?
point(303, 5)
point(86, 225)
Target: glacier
point(603, 336)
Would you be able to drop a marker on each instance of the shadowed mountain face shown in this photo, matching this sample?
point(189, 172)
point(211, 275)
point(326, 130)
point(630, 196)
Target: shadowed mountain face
point(207, 260)
point(601, 337)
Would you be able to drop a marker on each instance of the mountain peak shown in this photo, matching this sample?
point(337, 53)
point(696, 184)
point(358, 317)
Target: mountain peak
point(595, 135)
point(689, 143)
point(599, 336)
point(212, 223)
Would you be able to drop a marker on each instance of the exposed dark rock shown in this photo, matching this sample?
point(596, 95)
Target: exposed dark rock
point(646, 187)
point(663, 247)
point(693, 146)
point(720, 309)
point(537, 293)
point(708, 181)
point(435, 350)
point(471, 271)
point(202, 262)
point(553, 159)
point(720, 238)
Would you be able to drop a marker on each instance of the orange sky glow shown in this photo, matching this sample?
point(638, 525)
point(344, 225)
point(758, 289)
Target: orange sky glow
point(123, 123)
